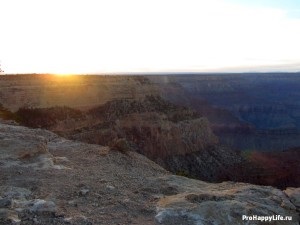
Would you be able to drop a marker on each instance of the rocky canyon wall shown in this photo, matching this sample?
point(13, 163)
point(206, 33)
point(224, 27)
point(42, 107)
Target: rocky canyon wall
point(84, 92)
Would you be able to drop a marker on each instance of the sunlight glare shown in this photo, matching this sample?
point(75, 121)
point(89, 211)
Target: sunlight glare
point(171, 35)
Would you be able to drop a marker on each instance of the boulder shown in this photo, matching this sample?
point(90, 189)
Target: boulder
point(226, 203)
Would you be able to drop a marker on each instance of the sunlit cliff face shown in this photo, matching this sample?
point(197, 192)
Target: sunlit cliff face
point(83, 92)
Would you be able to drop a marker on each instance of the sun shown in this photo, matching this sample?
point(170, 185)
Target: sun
point(63, 74)
point(67, 77)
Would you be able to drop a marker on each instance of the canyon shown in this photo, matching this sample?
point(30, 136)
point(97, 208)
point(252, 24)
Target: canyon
point(248, 111)
point(126, 149)
point(206, 126)
point(263, 110)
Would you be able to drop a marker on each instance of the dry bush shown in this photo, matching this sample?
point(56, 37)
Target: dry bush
point(121, 145)
point(32, 153)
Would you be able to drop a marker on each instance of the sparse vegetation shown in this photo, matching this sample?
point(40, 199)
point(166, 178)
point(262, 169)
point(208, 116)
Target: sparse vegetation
point(29, 154)
point(182, 173)
point(6, 114)
point(121, 145)
point(46, 117)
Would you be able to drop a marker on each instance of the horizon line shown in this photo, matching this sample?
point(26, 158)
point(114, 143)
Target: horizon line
point(153, 73)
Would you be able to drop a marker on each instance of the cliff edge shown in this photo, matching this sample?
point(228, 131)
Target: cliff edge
point(46, 179)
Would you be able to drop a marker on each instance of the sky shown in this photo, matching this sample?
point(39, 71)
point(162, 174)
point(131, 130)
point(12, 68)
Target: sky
point(120, 36)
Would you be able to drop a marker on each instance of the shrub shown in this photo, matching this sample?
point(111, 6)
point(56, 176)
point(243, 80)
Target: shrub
point(6, 114)
point(46, 117)
point(121, 145)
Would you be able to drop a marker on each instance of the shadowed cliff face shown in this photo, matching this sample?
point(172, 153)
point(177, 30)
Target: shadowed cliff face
point(159, 130)
point(247, 111)
point(280, 169)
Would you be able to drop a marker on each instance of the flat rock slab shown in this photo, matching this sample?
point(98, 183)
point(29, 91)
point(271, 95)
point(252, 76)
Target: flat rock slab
point(225, 203)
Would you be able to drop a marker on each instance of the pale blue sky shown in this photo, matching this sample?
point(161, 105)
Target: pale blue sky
point(292, 7)
point(285, 4)
point(98, 36)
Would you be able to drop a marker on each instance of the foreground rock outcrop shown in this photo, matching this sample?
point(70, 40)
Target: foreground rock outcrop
point(199, 202)
point(46, 179)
